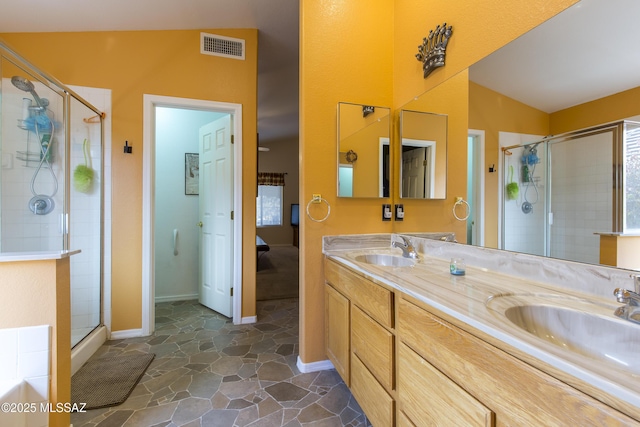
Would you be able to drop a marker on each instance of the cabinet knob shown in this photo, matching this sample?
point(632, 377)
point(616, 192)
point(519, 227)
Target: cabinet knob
point(199, 224)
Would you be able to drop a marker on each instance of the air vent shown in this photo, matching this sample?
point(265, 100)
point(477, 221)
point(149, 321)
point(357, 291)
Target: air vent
point(212, 44)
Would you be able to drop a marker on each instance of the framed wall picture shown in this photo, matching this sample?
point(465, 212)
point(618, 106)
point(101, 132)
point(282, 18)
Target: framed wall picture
point(191, 174)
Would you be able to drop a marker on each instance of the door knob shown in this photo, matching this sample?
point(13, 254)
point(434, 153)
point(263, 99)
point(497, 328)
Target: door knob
point(199, 224)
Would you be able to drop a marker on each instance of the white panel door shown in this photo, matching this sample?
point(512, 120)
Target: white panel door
point(413, 173)
point(216, 205)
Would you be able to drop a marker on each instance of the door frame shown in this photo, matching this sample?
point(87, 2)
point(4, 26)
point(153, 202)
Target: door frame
point(479, 183)
point(150, 102)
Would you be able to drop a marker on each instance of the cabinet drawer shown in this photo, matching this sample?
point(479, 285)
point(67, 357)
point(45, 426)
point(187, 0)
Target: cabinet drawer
point(371, 396)
point(337, 331)
point(429, 397)
point(518, 393)
point(373, 344)
point(374, 299)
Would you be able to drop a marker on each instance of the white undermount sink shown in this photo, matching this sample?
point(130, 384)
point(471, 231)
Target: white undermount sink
point(386, 260)
point(574, 325)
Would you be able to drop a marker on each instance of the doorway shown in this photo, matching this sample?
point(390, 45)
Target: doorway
point(175, 238)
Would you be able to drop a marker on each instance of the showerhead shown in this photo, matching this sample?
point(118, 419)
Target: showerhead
point(25, 84)
point(22, 83)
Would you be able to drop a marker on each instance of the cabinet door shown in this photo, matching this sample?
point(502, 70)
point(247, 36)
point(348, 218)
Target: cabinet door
point(337, 331)
point(430, 398)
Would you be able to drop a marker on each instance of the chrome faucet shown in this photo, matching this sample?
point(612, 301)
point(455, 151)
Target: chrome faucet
point(408, 251)
point(631, 310)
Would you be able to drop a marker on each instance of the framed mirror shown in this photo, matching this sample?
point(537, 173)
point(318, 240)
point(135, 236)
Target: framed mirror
point(423, 155)
point(363, 150)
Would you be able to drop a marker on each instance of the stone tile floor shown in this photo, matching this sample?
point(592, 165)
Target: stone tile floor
point(209, 372)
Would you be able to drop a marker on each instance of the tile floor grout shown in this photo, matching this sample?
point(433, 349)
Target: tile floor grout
point(209, 372)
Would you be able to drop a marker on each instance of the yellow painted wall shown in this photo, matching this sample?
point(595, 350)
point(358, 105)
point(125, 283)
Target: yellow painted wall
point(37, 293)
point(166, 63)
point(608, 109)
point(479, 28)
point(365, 53)
point(493, 112)
point(346, 55)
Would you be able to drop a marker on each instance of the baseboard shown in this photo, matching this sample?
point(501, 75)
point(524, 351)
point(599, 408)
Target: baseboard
point(249, 319)
point(128, 333)
point(322, 365)
point(173, 298)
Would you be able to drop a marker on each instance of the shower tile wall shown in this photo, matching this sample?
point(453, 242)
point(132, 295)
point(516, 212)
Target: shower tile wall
point(22, 230)
point(524, 232)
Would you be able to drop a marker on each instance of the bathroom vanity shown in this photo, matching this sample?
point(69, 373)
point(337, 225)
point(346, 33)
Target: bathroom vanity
point(419, 346)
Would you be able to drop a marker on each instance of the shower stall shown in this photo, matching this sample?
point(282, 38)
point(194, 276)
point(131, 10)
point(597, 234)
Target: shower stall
point(51, 186)
point(559, 192)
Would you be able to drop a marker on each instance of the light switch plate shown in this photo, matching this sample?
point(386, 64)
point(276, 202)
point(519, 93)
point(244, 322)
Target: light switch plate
point(399, 210)
point(386, 212)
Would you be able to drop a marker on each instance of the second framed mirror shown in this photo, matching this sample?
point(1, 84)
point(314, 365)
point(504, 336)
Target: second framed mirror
point(423, 155)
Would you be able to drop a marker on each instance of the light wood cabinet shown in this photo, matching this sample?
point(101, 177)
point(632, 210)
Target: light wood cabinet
point(337, 331)
point(367, 366)
point(373, 344)
point(376, 403)
point(407, 366)
point(374, 299)
point(428, 397)
point(516, 392)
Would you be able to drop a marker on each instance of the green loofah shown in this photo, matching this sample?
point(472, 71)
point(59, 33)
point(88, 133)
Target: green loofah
point(83, 175)
point(512, 187)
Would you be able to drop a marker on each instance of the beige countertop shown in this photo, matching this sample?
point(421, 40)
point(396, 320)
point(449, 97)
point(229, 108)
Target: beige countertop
point(477, 299)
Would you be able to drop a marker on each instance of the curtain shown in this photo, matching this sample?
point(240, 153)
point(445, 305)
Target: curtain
point(271, 178)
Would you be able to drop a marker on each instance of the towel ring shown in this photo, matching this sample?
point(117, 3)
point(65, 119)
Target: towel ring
point(461, 201)
point(318, 199)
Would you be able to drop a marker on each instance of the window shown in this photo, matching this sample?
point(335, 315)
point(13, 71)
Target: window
point(269, 205)
point(632, 179)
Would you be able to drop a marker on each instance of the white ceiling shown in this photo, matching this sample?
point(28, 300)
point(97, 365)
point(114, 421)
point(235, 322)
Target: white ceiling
point(586, 52)
point(276, 20)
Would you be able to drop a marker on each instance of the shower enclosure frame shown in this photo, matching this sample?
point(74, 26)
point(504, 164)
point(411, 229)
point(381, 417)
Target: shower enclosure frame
point(619, 146)
point(67, 96)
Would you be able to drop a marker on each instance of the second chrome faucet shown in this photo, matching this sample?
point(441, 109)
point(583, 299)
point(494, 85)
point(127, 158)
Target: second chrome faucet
point(631, 299)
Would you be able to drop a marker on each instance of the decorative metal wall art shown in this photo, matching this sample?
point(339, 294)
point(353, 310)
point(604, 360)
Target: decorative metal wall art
point(367, 109)
point(432, 50)
point(352, 156)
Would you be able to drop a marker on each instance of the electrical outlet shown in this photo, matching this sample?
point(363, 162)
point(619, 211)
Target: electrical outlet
point(399, 210)
point(386, 212)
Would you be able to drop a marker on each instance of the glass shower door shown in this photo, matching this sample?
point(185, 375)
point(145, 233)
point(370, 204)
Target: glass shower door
point(85, 219)
point(581, 197)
